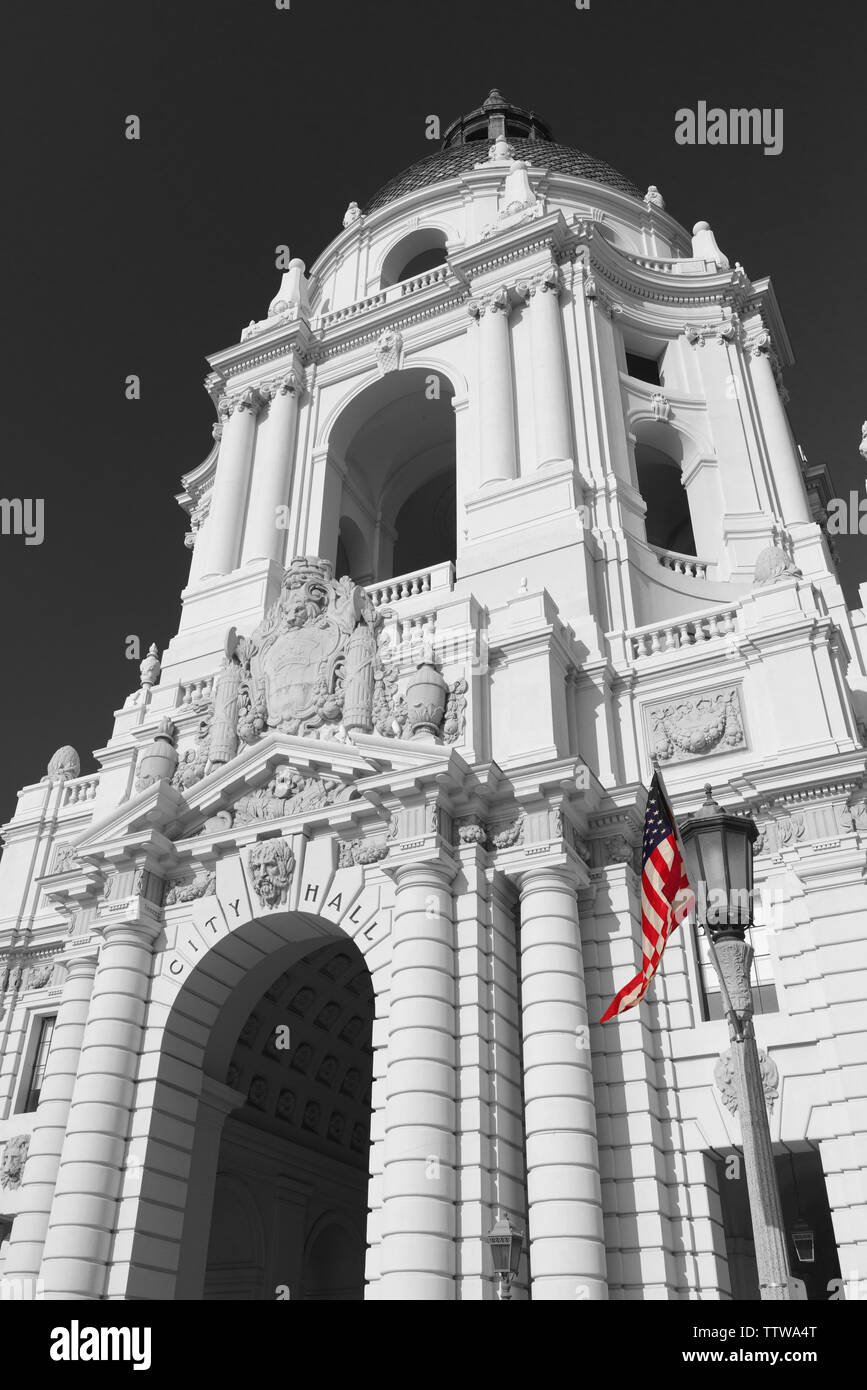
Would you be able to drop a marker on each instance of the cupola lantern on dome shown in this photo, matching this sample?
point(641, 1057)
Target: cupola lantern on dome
point(465, 145)
point(494, 119)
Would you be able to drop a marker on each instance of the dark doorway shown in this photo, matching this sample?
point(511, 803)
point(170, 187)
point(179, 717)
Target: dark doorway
point(805, 1205)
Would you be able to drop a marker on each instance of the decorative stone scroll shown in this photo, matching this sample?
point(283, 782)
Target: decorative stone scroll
point(696, 726)
point(63, 765)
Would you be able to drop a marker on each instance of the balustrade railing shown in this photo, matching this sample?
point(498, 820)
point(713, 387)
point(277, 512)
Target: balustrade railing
point(427, 280)
point(677, 633)
point(192, 691)
point(405, 586)
point(688, 565)
point(80, 789)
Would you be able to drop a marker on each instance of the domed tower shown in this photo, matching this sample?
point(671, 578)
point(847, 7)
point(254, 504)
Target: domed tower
point(503, 507)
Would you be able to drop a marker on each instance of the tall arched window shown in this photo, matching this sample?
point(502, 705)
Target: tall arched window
point(668, 522)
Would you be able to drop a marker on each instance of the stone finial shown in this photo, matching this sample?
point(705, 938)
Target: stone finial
point(150, 668)
point(352, 214)
point(160, 758)
point(704, 246)
point(292, 293)
point(500, 150)
point(772, 564)
point(64, 764)
point(654, 198)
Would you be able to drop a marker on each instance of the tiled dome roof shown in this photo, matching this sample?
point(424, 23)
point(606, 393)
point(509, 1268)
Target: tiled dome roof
point(467, 141)
point(445, 164)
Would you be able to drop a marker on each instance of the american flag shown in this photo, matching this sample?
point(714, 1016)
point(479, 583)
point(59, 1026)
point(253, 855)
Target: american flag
point(665, 895)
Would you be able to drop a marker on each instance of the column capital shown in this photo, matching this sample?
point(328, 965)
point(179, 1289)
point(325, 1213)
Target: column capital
point(561, 875)
point(251, 399)
point(439, 865)
point(499, 301)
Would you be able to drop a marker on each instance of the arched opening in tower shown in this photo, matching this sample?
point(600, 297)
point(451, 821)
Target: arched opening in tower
point(396, 442)
point(289, 1213)
point(421, 250)
point(668, 523)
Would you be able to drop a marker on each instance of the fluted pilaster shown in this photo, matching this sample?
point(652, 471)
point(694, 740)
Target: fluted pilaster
point(499, 458)
point(272, 471)
point(231, 484)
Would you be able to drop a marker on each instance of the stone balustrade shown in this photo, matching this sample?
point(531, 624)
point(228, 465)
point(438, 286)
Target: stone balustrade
point(405, 586)
point(192, 691)
point(682, 564)
point(80, 789)
point(674, 634)
point(428, 279)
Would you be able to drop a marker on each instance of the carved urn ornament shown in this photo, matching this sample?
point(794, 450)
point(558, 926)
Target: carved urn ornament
point(160, 758)
point(426, 696)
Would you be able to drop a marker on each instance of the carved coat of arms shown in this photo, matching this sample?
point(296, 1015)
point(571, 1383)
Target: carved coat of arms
point(298, 664)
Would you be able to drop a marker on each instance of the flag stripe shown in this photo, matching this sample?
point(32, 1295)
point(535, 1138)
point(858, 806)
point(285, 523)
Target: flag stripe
point(665, 893)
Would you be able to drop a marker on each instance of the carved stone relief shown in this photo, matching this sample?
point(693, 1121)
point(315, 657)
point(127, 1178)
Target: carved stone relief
point(14, 1158)
point(724, 1076)
point(203, 883)
point(351, 852)
point(272, 868)
point(696, 726)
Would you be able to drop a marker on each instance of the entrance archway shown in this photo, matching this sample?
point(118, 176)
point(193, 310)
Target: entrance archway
point(290, 1198)
point(234, 1219)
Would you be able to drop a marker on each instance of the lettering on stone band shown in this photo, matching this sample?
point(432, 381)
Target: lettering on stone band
point(311, 890)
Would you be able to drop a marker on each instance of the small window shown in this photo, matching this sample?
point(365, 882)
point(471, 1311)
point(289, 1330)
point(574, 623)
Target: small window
point(40, 1060)
point(764, 991)
point(643, 368)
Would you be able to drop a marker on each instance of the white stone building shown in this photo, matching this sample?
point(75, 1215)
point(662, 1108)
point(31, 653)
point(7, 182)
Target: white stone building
point(299, 987)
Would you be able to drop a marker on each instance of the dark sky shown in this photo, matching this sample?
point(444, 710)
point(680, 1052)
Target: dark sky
point(258, 126)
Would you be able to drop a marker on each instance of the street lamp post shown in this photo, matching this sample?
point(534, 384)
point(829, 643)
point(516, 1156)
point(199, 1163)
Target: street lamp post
point(718, 848)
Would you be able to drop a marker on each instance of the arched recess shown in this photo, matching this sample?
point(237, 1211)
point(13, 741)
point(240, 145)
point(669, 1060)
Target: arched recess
point(330, 1255)
point(422, 249)
point(659, 459)
point(395, 443)
point(217, 1063)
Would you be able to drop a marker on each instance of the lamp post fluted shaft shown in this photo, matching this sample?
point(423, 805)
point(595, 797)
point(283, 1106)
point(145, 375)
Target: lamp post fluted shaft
point(733, 959)
point(718, 852)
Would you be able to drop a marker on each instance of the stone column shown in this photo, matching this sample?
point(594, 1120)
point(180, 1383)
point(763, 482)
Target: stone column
point(229, 497)
point(782, 454)
point(84, 1210)
point(26, 1243)
point(499, 459)
point(550, 393)
point(272, 473)
point(419, 1184)
point(566, 1239)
